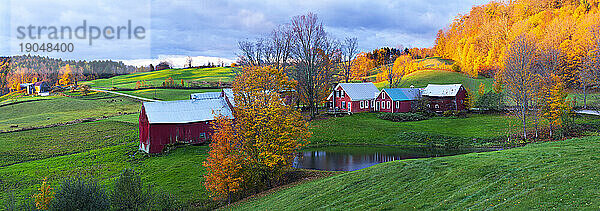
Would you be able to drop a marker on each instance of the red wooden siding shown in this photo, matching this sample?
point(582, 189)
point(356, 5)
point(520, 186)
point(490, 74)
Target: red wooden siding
point(384, 103)
point(154, 137)
point(355, 106)
point(441, 104)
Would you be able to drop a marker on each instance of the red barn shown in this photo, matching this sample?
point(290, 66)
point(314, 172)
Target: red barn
point(183, 121)
point(353, 97)
point(396, 100)
point(445, 97)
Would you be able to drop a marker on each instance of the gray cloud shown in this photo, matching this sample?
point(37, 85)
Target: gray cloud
point(212, 28)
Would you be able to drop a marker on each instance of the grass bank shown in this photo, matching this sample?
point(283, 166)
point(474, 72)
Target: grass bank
point(366, 128)
point(552, 175)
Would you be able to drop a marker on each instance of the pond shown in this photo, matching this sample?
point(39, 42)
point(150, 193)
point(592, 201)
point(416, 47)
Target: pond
point(350, 158)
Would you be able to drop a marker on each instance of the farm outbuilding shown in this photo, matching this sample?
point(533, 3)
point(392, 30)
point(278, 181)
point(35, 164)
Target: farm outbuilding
point(41, 86)
point(445, 97)
point(353, 97)
point(183, 121)
point(396, 100)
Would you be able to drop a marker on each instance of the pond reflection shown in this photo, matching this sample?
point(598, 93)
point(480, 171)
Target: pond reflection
point(350, 158)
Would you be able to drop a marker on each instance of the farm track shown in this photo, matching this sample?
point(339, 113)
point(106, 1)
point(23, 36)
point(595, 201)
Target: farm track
point(126, 95)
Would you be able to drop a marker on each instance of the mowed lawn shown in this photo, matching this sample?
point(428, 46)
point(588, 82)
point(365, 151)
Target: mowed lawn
point(56, 141)
point(156, 78)
point(559, 175)
point(167, 94)
point(366, 128)
point(57, 109)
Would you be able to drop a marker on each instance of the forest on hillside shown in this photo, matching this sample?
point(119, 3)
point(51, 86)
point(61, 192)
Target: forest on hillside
point(32, 68)
point(479, 41)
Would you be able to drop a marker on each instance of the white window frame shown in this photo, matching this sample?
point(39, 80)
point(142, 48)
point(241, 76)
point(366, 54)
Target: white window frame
point(362, 104)
point(343, 105)
point(350, 106)
point(342, 93)
point(437, 106)
point(366, 103)
point(397, 104)
point(383, 95)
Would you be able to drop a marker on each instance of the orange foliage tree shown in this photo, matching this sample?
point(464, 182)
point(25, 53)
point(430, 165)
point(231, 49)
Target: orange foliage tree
point(44, 197)
point(361, 66)
point(262, 138)
point(223, 178)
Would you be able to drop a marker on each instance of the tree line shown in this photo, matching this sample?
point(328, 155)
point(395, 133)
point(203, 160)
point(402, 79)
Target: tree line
point(32, 68)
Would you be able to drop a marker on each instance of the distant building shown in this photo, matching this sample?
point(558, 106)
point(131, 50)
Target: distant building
point(353, 97)
point(183, 121)
point(41, 86)
point(396, 100)
point(28, 88)
point(445, 97)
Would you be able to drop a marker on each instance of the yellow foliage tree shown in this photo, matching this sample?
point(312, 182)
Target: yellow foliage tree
point(66, 75)
point(261, 141)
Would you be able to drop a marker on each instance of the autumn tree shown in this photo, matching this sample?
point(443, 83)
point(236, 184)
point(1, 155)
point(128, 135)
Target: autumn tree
point(348, 57)
point(397, 71)
point(66, 76)
point(361, 66)
point(313, 54)
point(188, 62)
point(223, 178)
point(251, 152)
point(519, 77)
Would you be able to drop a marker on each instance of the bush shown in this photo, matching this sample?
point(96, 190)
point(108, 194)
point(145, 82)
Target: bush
point(490, 101)
point(80, 194)
point(453, 113)
point(402, 117)
point(129, 193)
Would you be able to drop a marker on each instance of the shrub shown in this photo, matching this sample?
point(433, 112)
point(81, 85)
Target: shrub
point(129, 193)
point(453, 113)
point(490, 101)
point(44, 197)
point(80, 194)
point(402, 117)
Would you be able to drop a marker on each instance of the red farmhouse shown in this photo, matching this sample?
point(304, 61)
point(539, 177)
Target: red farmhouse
point(353, 97)
point(396, 100)
point(445, 97)
point(182, 121)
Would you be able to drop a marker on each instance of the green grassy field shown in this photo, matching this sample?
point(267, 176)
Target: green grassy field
point(156, 78)
point(167, 94)
point(554, 175)
point(56, 141)
point(366, 128)
point(179, 172)
point(52, 110)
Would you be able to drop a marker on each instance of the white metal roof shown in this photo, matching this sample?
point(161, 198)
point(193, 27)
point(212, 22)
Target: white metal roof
point(229, 94)
point(437, 90)
point(186, 111)
point(205, 95)
point(359, 91)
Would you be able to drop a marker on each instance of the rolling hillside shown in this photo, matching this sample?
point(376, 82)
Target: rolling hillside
point(423, 77)
point(156, 78)
point(538, 176)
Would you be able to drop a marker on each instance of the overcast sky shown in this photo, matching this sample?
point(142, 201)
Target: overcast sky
point(211, 28)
